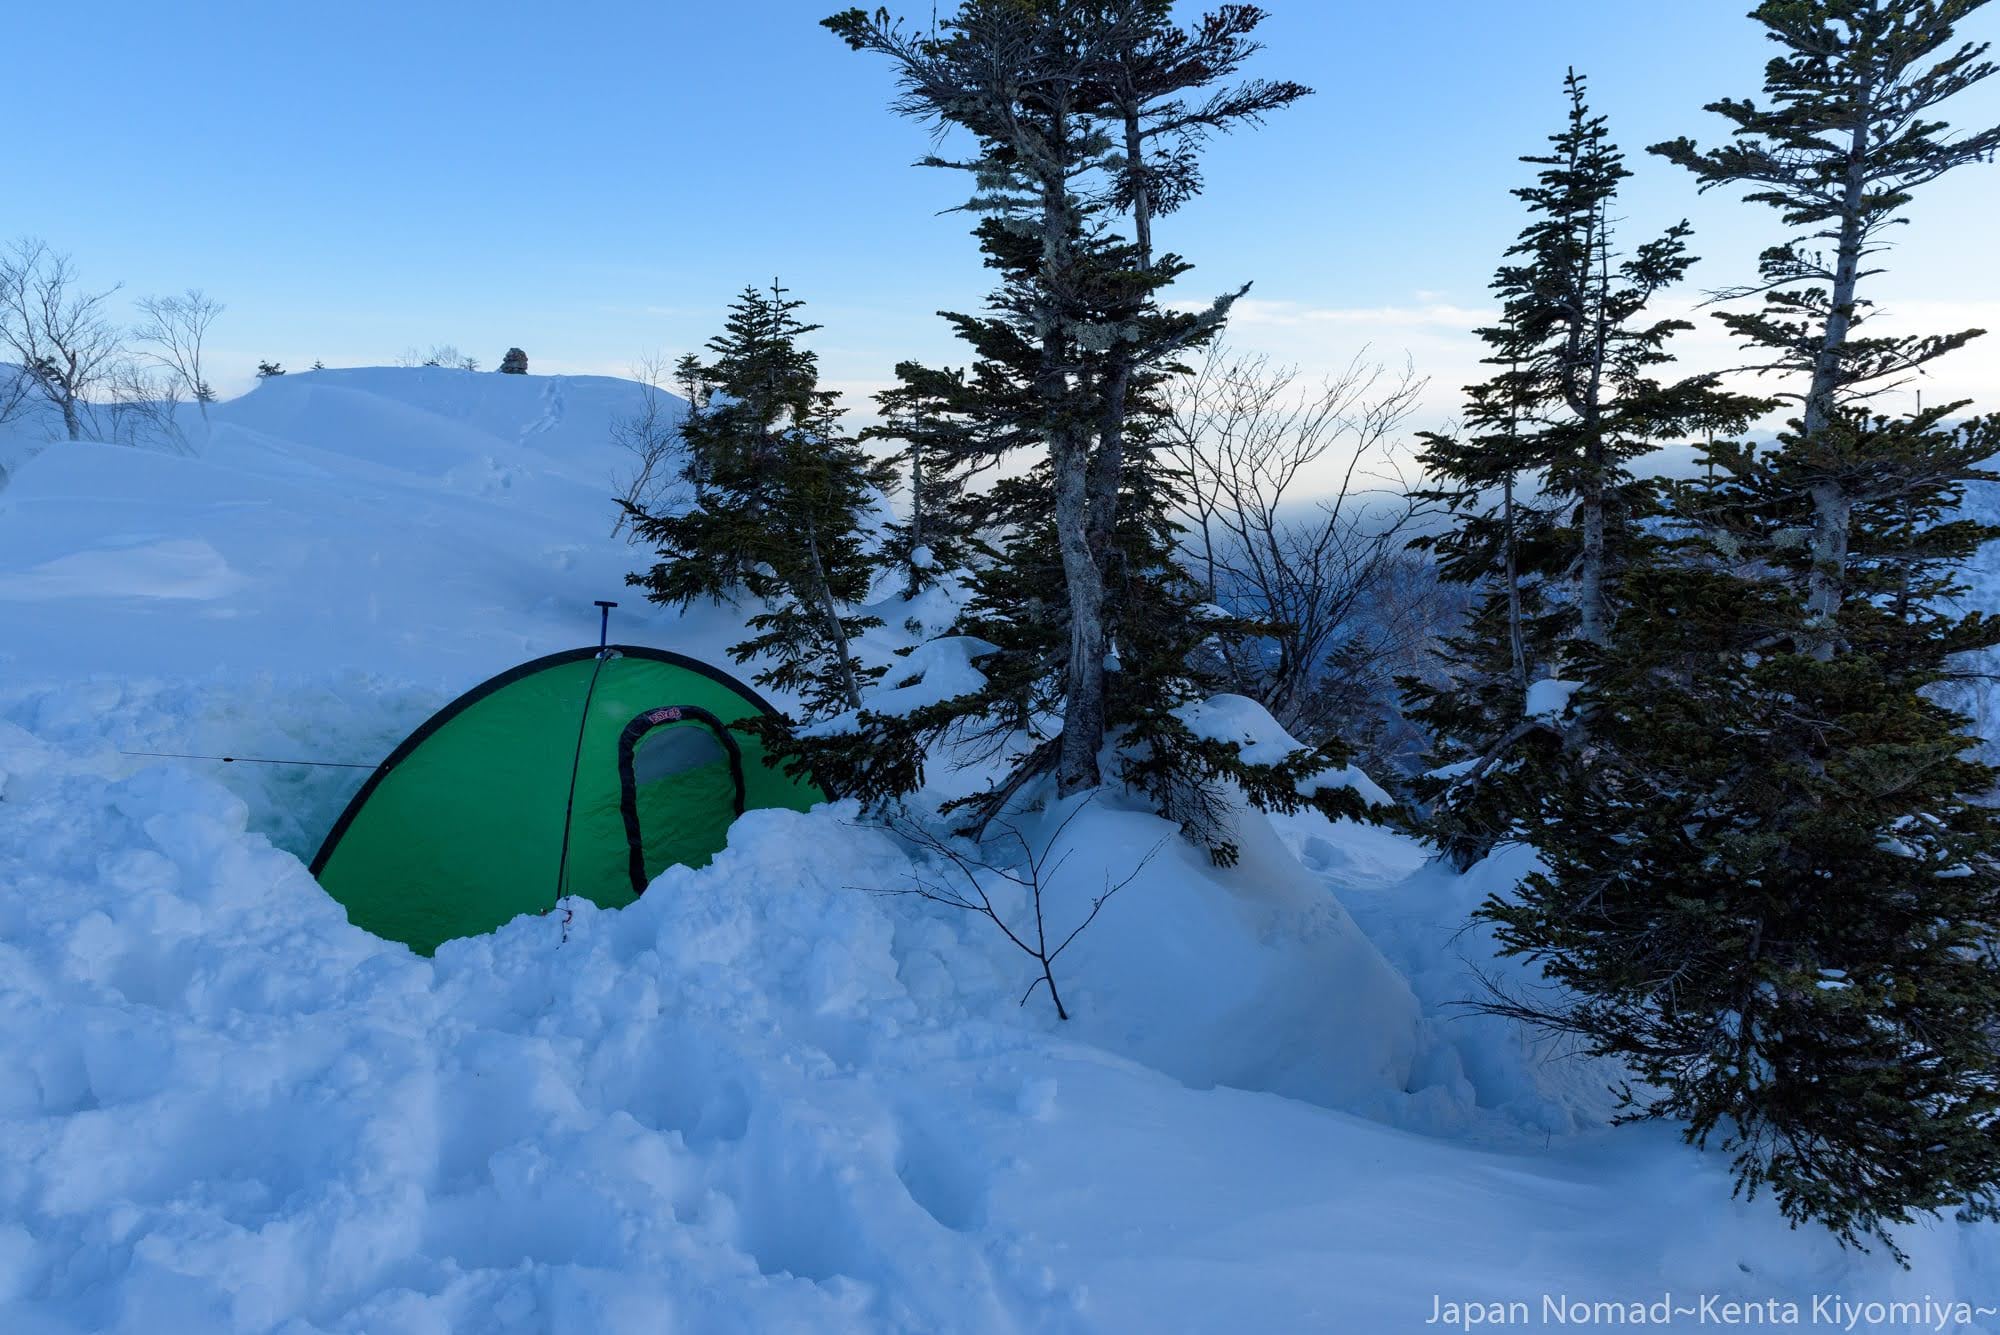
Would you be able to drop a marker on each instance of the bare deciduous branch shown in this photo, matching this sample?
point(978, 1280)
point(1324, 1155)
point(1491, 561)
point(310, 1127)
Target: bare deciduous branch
point(1034, 875)
point(1299, 501)
point(173, 332)
point(651, 435)
point(58, 333)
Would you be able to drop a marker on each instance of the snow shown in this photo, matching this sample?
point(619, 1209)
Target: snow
point(933, 672)
point(1261, 740)
point(774, 1094)
point(185, 568)
point(435, 524)
point(1550, 698)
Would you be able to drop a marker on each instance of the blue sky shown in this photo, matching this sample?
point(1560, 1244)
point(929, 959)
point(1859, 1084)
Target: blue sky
point(594, 181)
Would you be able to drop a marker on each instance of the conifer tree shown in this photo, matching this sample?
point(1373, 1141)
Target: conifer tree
point(928, 411)
point(1097, 627)
point(1549, 511)
point(1039, 87)
point(1847, 134)
point(265, 370)
point(1774, 892)
point(514, 362)
point(780, 496)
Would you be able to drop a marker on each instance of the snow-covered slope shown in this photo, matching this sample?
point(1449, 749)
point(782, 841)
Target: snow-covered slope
point(772, 1095)
point(428, 523)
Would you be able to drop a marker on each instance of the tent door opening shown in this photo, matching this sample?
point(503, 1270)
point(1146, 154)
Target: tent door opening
point(680, 784)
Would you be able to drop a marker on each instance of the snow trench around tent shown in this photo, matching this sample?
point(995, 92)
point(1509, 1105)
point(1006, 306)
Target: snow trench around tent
point(765, 1097)
point(762, 1097)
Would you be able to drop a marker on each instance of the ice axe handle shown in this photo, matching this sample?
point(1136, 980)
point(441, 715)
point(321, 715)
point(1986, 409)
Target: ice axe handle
point(604, 623)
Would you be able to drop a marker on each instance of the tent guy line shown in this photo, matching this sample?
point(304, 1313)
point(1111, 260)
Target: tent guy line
point(250, 760)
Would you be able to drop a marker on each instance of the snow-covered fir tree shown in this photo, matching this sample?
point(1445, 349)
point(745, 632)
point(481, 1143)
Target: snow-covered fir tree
point(1548, 510)
point(1775, 890)
point(929, 412)
point(1098, 631)
point(781, 497)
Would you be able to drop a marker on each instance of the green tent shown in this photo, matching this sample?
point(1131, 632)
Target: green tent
point(583, 773)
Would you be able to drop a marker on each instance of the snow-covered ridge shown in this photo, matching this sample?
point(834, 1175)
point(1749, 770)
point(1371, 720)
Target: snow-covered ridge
point(433, 523)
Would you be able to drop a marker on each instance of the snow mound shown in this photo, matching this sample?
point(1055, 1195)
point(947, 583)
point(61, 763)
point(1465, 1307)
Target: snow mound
point(170, 568)
point(237, 1111)
point(1550, 698)
point(1261, 740)
point(760, 1098)
point(933, 672)
point(440, 525)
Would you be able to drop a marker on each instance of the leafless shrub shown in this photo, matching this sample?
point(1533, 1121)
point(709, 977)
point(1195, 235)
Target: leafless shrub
point(58, 333)
point(651, 436)
point(440, 354)
point(1299, 505)
point(17, 388)
point(172, 335)
point(141, 407)
point(1027, 928)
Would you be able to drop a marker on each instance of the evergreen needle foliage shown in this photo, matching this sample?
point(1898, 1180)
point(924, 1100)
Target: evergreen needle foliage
point(1082, 116)
point(780, 499)
point(1549, 514)
point(934, 414)
point(1771, 875)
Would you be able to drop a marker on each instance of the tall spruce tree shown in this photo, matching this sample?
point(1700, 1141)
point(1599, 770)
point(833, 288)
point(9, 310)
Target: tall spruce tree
point(1040, 86)
point(1549, 512)
point(780, 499)
point(1848, 132)
point(1096, 626)
point(1775, 891)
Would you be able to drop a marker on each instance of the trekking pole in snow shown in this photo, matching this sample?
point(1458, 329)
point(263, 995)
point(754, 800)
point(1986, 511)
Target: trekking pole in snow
point(604, 623)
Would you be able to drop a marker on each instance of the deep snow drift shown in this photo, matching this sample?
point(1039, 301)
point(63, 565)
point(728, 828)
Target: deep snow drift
point(772, 1094)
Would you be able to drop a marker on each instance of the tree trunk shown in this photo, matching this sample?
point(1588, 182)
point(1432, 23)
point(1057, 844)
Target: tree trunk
point(1069, 455)
point(822, 596)
point(1833, 509)
point(1142, 197)
point(1516, 638)
point(916, 508)
point(1083, 704)
point(1107, 467)
point(1593, 597)
point(1594, 615)
point(1107, 472)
